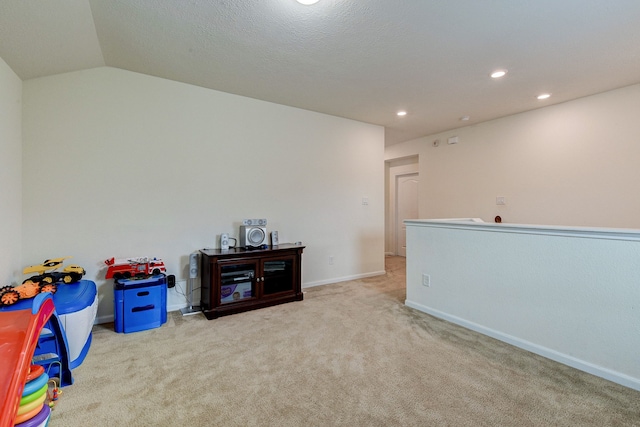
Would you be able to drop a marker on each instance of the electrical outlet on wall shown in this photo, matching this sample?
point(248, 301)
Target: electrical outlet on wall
point(426, 280)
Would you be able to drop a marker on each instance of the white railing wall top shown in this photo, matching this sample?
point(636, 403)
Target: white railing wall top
point(550, 230)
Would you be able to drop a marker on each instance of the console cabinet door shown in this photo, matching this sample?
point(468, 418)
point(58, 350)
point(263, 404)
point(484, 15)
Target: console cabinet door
point(237, 282)
point(278, 275)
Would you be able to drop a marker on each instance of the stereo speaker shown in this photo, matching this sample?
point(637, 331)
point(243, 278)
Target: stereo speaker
point(274, 238)
point(193, 266)
point(224, 241)
point(251, 236)
point(171, 281)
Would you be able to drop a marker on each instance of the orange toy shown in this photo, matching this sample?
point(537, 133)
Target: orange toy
point(29, 289)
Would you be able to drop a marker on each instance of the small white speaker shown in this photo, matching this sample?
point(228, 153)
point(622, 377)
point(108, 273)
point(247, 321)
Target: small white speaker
point(274, 238)
point(224, 241)
point(252, 236)
point(193, 266)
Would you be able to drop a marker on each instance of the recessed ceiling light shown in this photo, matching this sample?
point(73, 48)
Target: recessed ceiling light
point(401, 113)
point(465, 118)
point(308, 2)
point(498, 73)
point(543, 96)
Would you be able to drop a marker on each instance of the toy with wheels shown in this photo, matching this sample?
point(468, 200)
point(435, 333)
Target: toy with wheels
point(127, 268)
point(45, 272)
point(11, 295)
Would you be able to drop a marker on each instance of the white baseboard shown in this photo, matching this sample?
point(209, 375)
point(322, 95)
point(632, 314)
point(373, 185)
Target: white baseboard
point(175, 307)
point(110, 317)
point(599, 371)
point(342, 279)
point(104, 319)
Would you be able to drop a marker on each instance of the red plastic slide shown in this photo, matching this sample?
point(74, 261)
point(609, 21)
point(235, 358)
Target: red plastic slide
point(19, 333)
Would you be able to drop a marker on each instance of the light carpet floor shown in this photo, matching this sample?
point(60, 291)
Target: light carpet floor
point(350, 354)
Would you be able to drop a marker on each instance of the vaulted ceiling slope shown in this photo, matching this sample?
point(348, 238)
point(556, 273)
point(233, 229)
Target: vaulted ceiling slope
point(363, 60)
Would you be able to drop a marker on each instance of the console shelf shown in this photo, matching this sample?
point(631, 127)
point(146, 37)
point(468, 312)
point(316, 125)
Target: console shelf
point(237, 280)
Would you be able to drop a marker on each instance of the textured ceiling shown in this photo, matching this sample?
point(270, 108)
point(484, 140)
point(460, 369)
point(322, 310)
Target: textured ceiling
point(358, 59)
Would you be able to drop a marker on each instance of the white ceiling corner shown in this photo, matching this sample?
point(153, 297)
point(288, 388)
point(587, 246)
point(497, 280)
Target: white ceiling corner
point(41, 38)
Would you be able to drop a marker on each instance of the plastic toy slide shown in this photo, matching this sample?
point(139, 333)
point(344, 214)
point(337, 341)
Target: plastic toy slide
point(19, 332)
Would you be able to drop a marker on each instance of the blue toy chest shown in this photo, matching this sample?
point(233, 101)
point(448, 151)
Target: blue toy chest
point(140, 304)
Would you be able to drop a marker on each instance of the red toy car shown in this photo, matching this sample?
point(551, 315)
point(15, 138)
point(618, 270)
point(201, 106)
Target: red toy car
point(134, 267)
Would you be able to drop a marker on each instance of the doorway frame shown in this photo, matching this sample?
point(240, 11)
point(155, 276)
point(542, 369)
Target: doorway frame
point(396, 167)
point(396, 225)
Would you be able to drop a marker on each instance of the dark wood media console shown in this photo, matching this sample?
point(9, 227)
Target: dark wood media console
point(237, 280)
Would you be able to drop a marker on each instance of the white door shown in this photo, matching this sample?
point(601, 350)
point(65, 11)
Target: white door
point(406, 208)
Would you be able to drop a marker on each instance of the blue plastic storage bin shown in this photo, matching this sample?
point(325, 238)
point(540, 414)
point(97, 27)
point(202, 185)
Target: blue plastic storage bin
point(140, 304)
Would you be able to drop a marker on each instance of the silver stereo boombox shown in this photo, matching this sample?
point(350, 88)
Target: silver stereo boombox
point(253, 233)
point(252, 236)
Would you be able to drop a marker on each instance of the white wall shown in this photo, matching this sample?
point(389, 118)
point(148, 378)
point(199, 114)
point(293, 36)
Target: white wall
point(565, 293)
point(10, 175)
point(574, 163)
point(122, 164)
